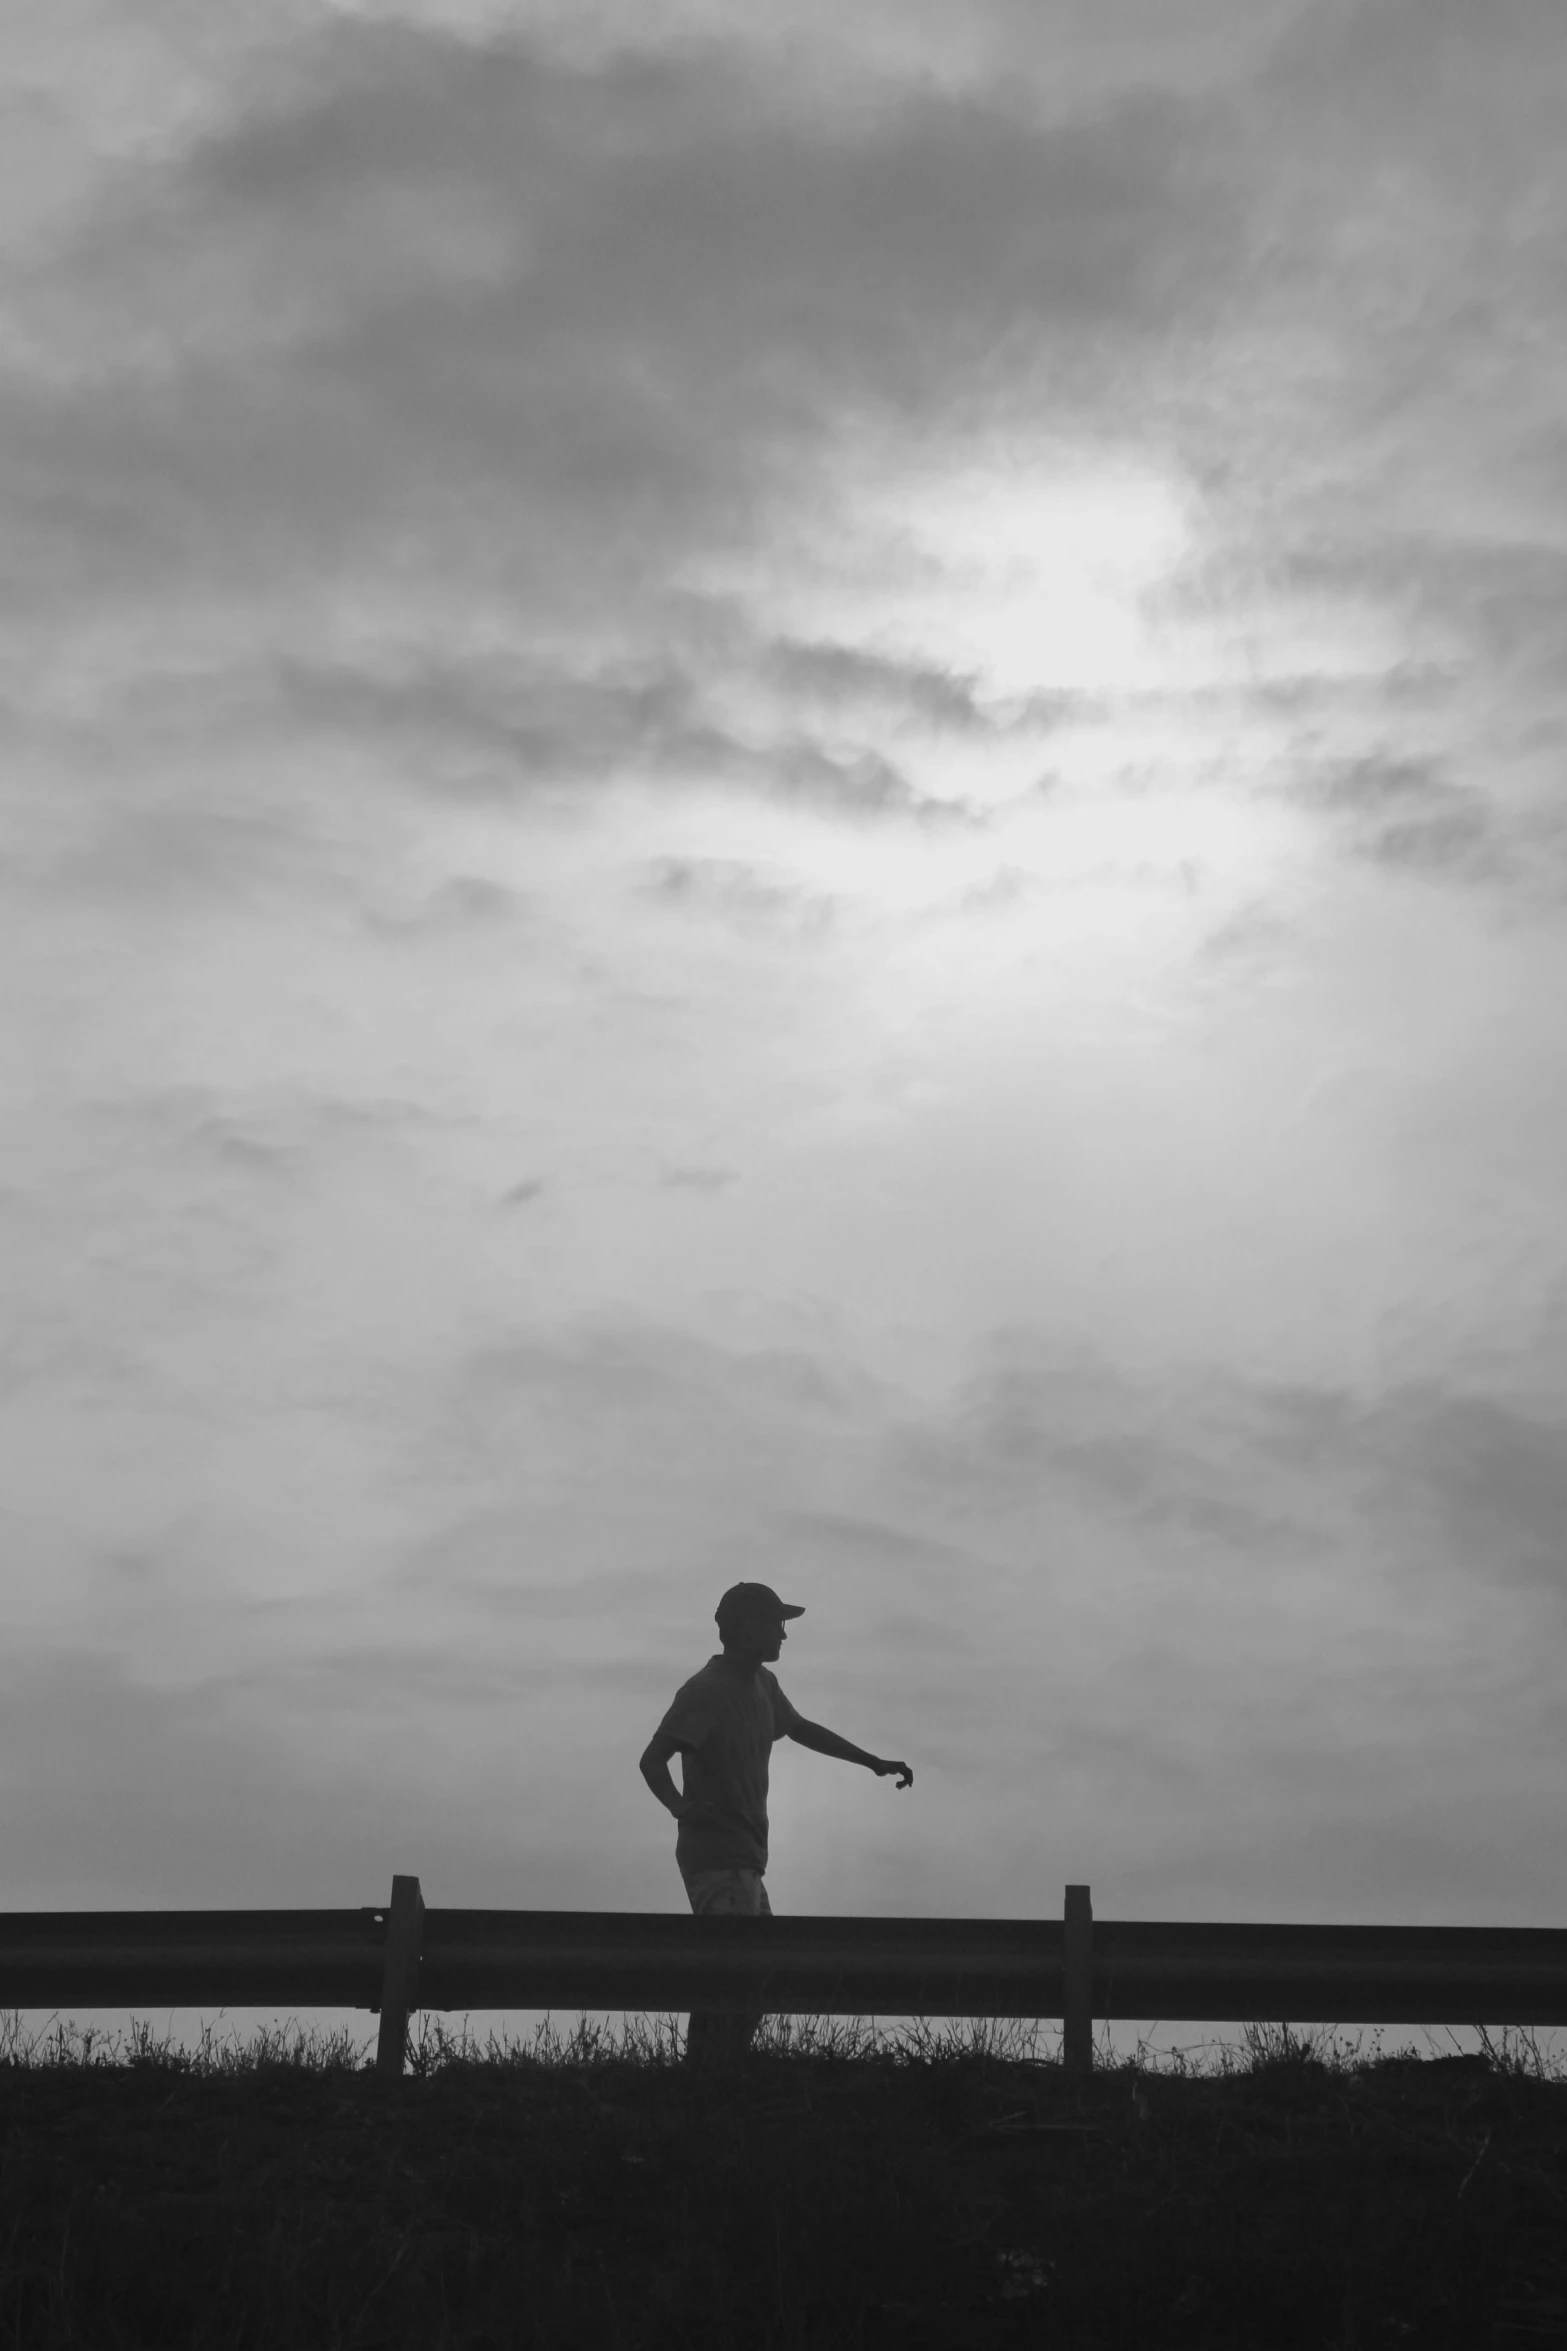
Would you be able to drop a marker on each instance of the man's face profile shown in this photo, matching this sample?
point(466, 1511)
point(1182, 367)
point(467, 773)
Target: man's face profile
point(760, 1640)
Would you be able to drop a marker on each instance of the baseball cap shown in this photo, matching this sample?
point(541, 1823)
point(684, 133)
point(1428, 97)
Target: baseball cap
point(750, 1604)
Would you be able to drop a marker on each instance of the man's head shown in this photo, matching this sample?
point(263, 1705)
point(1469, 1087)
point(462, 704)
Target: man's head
point(750, 1620)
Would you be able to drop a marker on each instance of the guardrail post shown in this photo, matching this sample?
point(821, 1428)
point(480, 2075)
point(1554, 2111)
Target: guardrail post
point(1077, 2005)
point(400, 1974)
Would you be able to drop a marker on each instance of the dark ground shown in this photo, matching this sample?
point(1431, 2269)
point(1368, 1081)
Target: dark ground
point(610, 2200)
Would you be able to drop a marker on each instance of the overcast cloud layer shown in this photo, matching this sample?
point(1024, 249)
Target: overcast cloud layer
point(783, 797)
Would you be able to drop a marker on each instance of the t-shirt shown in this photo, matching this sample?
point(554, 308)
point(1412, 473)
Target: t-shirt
point(725, 1723)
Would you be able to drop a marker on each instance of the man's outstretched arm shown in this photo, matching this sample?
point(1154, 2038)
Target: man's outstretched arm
point(822, 1741)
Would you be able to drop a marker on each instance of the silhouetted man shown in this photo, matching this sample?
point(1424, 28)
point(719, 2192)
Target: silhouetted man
point(722, 1725)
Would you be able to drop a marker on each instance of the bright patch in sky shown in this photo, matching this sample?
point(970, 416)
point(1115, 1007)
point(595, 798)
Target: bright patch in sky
point(1029, 575)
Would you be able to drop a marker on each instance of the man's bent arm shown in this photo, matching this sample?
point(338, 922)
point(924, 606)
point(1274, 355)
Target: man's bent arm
point(822, 1741)
point(654, 1767)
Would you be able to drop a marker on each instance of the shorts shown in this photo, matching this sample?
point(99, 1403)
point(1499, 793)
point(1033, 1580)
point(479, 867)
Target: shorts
point(728, 1893)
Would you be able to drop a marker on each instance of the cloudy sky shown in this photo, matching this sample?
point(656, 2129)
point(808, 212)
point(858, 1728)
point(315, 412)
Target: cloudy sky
point(783, 796)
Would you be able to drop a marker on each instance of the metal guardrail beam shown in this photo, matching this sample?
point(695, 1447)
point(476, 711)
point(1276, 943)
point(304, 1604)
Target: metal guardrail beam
point(1078, 1968)
point(995, 1967)
point(798, 1966)
point(192, 1958)
point(1330, 1974)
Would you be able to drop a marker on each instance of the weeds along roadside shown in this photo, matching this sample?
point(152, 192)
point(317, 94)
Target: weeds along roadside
point(270, 2189)
point(222, 2050)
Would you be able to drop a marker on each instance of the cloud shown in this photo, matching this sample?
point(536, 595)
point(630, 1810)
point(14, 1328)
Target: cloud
point(1159, 1593)
point(465, 904)
point(562, 326)
point(509, 721)
point(493, 728)
point(742, 893)
point(1482, 1479)
point(839, 676)
point(175, 855)
point(1269, 1473)
point(408, 431)
point(698, 1179)
point(1170, 1459)
point(497, 342)
point(1394, 780)
point(1414, 818)
point(627, 1366)
point(134, 1793)
point(102, 1757)
point(1460, 843)
point(844, 1538)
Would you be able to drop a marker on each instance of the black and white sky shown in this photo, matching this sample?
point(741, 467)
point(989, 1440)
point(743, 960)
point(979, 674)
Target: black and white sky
point(783, 797)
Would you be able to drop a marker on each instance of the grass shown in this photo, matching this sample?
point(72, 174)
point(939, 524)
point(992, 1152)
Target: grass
point(940, 2186)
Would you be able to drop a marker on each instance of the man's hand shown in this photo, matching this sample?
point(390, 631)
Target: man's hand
point(905, 1778)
